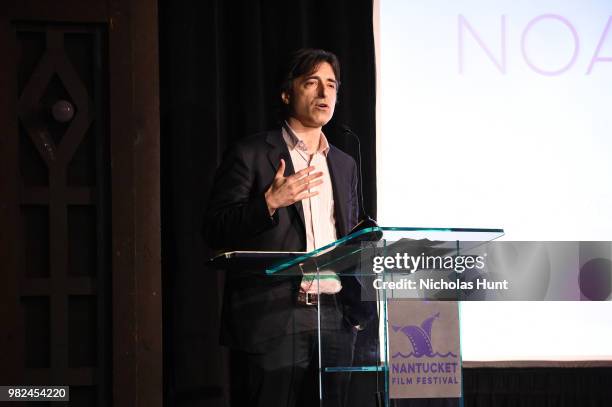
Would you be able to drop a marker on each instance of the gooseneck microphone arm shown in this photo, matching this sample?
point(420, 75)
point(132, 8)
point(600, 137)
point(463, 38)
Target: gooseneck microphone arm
point(347, 130)
point(365, 221)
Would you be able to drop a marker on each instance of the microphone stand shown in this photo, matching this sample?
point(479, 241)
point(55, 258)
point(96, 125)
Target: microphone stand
point(366, 222)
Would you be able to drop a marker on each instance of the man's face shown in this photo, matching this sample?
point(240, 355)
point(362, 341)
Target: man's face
point(314, 97)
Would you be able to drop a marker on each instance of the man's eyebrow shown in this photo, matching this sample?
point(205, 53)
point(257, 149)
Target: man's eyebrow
point(318, 77)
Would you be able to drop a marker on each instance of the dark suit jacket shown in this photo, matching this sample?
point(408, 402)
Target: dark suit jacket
point(257, 308)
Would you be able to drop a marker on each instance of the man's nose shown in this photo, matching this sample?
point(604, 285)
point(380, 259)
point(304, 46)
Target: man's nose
point(322, 90)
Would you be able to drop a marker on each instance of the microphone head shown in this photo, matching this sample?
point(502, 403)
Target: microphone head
point(345, 128)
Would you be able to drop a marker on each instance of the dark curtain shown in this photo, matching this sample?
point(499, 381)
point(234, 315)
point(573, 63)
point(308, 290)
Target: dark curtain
point(219, 64)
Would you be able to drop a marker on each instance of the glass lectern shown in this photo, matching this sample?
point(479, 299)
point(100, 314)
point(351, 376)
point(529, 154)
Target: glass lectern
point(381, 282)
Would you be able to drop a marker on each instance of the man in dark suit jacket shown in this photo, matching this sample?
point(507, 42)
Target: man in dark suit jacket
point(257, 204)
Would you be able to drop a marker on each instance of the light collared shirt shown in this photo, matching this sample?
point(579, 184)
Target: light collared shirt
point(319, 216)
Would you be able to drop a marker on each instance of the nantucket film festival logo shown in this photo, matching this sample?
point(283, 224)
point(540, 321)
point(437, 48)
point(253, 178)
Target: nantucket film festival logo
point(425, 355)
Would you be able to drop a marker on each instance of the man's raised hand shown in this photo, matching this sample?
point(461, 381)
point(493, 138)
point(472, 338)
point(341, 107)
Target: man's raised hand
point(286, 191)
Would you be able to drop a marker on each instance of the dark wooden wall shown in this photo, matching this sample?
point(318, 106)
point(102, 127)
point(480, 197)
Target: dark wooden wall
point(79, 199)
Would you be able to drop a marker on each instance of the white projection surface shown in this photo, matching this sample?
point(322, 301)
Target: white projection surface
point(498, 114)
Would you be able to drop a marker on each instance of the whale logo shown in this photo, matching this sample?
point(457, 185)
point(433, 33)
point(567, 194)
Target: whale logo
point(420, 338)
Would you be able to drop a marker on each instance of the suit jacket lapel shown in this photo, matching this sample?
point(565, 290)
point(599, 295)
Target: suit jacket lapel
point(277, 151)
point(339, 188)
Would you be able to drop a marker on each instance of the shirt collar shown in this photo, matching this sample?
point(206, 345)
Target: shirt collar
point(293, 141)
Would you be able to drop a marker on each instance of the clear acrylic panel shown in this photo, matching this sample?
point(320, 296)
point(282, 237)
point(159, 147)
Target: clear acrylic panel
point(352, 331)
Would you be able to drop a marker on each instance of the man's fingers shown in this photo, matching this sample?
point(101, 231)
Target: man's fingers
point(306, 195)
point(303, 172)
point(281, 169)
point(300, 176)
point(309, 178)
point(313, 184)
point(309, 186)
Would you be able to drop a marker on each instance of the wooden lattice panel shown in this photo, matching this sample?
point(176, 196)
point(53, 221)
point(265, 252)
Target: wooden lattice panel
point(64, 205)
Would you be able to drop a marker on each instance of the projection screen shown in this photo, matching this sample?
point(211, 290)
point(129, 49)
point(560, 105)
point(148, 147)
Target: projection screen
point(497, 114)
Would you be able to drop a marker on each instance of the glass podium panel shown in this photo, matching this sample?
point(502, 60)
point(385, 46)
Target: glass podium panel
point(349, 247)
point(353, 329)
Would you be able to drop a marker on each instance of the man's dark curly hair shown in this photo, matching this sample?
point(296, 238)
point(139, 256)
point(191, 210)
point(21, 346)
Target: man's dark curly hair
point(302, 62)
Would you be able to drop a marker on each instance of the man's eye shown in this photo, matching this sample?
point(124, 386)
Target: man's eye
point(310, 83)
point(331, 85)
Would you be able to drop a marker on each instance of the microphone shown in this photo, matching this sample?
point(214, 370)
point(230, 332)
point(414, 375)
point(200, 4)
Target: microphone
point(365, 220)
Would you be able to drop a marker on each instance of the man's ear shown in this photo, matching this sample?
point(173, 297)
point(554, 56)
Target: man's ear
point(285, 98)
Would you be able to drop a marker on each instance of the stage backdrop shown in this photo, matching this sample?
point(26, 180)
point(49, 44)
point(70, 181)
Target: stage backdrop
point(497, 114)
